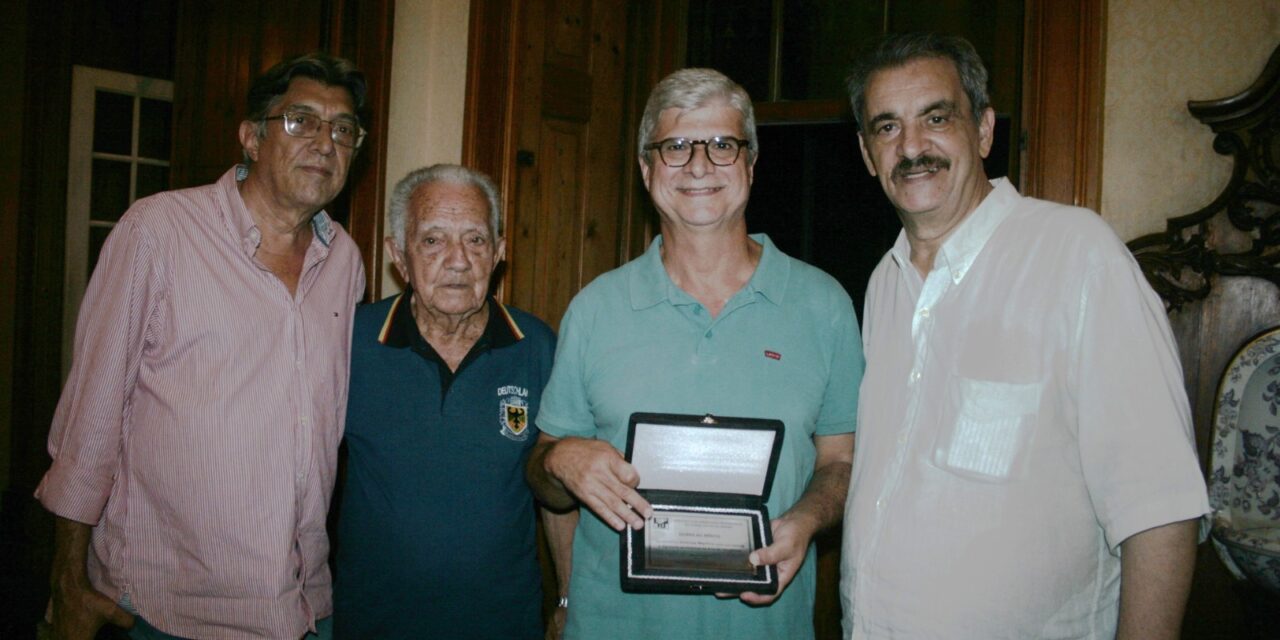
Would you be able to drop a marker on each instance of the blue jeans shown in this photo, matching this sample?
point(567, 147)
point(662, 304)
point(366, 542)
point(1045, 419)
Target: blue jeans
point(142, 630)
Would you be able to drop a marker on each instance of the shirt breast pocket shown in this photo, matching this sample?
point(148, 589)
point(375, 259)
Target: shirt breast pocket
point(992, 431)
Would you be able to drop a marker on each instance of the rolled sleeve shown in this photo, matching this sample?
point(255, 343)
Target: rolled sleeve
point(1136, 442)
point(89, 425)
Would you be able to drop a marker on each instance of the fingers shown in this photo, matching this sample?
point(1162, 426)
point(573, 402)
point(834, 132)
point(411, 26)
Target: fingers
point(79, 613)
point(616, 504)
point(120, 618)
point(786, 554)
point(597, 475)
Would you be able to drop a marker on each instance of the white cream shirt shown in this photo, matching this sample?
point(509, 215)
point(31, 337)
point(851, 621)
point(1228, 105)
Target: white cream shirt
point(1022, 414)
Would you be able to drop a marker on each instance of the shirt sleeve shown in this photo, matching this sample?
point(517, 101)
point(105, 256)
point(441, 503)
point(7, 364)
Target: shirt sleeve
point(565, 410)
point(88, 430)
point(840, 400)
point(1135, 436)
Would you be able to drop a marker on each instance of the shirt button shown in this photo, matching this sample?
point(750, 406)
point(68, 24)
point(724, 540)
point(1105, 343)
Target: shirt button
point(924, 313)
point(915, 375)
point(879, 504)
point(902, 439)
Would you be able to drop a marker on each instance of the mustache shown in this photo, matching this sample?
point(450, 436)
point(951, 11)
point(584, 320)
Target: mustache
point(907, 165)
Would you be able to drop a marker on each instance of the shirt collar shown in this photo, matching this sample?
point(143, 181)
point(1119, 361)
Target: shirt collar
point(400, 330)
point(322, 226)
point(650, 284)
point(965, 243)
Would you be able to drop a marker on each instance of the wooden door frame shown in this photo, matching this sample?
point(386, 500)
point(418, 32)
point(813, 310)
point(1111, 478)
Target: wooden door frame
point(1062, 97)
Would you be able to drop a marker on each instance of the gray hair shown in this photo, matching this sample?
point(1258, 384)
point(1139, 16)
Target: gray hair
point(452, 174)
point(692, 89)
point(897, 50)
point(268, 89)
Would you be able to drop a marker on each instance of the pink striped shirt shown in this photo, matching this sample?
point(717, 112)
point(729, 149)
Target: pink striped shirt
point(199, 428)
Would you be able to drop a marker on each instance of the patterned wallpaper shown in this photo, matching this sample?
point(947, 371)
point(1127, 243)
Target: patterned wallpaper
point(1157, 160)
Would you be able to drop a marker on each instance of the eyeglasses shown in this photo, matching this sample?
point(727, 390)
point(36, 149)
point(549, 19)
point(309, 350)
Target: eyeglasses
point(722, 151)
point(301, 124)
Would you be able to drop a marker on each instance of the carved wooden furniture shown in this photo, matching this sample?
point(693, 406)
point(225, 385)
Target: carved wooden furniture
point(1218, 271)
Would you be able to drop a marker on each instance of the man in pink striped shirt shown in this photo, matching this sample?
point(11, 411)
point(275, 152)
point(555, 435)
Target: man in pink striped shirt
point(195, 443)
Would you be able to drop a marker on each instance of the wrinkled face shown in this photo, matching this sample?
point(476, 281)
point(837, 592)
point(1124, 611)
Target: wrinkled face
point(449, 252)
point(921, 140)
point(301, 173)
point(699, 194)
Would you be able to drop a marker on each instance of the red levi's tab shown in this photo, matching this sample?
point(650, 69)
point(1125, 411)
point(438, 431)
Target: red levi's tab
point(774, 355)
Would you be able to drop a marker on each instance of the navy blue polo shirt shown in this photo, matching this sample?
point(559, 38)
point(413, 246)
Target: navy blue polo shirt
point(436, 525)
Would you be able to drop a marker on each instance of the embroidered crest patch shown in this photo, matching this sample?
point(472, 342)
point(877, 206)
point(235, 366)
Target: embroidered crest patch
point(513, 412)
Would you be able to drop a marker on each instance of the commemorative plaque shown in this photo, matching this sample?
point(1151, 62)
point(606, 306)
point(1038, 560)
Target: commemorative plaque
point(707, 478)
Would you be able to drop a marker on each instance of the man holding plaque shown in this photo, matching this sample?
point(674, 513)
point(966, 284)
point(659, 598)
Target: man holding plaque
point(1025, 466)
point(713, 321)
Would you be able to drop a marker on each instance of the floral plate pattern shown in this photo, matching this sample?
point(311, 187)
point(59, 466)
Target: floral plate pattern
point(1244, 478)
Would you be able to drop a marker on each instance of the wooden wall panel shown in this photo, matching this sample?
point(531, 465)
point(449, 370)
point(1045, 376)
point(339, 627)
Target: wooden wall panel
point(221, 47)
point(608, 150)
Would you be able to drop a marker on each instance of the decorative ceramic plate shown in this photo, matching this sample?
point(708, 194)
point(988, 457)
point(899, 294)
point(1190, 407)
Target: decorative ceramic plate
point(1244, 478)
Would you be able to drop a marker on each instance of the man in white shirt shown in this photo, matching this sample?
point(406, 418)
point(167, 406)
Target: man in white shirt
point(1025, 465)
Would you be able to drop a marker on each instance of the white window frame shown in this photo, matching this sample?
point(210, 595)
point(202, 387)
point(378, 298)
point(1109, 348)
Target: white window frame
point(85, 82)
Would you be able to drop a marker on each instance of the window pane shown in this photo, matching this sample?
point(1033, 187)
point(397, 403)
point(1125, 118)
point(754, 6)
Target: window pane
point(733, 37)
point(97, 236)
point(819, 40)
point(153, 129)
point(151, 179)
point(112, 123)
point(109, 190)
point(813, 196)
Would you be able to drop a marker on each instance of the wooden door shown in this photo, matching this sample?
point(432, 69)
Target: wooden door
point(554, 94)
point(571, 156)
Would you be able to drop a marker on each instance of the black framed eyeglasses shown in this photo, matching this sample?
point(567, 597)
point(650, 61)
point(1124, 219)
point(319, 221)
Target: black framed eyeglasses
point(301, 124)
point(722, 151)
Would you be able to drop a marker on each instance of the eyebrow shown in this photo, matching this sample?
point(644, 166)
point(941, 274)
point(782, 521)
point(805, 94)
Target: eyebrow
point(304, 107)
point(940, 105)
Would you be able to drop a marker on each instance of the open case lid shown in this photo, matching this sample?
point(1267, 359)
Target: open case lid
point(709, 454)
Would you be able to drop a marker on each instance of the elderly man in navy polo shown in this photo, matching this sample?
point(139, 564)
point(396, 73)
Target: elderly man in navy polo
point(436, 530)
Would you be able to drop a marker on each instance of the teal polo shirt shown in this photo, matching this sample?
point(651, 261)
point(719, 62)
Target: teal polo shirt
point(786, 346)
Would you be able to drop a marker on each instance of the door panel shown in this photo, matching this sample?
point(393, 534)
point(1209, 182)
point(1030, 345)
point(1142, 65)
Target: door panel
point(567, 208)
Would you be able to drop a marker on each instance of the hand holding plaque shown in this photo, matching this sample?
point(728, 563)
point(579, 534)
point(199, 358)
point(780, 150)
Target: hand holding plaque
point(706, 479)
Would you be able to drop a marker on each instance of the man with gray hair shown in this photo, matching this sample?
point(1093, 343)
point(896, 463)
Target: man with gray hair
point(436, 528)
point(710, 320)
point(1025, 467)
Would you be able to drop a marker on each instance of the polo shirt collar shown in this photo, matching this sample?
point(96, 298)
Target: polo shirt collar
point(650, 284)
point(966, 242)
point(400, 330)
point(322, 226)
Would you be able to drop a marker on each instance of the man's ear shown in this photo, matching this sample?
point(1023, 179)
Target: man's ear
point(249, 139)
point(645, 169)
point(866, 157)
point(397, 257)
point(986, 131)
